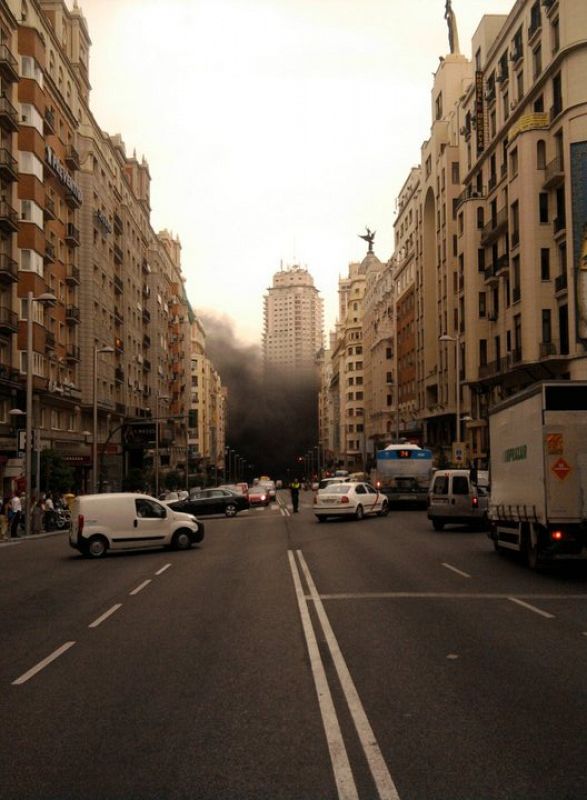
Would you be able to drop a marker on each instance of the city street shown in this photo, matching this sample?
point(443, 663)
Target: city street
point(286, 659)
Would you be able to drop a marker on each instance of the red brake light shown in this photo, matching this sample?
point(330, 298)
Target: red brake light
point(557, 535)
point(475, 502)
point(80, 523)
point(344, 498)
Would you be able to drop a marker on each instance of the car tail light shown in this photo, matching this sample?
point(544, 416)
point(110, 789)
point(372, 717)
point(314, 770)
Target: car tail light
point(80, 523)
point(378, 485)
point(475, 502)
point(344, 498)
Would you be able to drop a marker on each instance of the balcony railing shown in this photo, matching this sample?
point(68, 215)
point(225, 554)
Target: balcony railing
point(73, 275)
point(8, 115)
point(8, 166)
point(8, 218)
point(559, 225)
point(516, 294)
point(49, 253)
point(8, 65)
point(560, 283)
point(8, 269)
point(49, 121)
point(118, 284)
point(73, 353)
point(72, 235)
point(8, 320)
point(72, 315)
point(547, 349)
point(118, 256)
point(495, 225)
point(50, 342)
point(146, 315)
point(49, 208)
point(554, 174)
point(72, 158)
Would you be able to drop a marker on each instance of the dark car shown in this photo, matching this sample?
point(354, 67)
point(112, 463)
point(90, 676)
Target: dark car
point(211, 501)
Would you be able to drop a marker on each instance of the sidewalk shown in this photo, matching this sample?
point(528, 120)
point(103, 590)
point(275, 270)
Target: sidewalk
point(23, 538)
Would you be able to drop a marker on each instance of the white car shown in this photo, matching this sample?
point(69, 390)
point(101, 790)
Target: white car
point(355, 499)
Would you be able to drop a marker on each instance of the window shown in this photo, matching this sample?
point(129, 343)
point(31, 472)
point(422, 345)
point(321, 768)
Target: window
point(540, 154)
point(546, 325)
point(31, 261)
point(30, 69)
point(30, 164)
point(481, 259)
point(455, 173)
point(537, 61)
point(543, 207)
point(460, 484)
point(544, 264)
point(31, 212)
point(482, 352)
point(482, 304)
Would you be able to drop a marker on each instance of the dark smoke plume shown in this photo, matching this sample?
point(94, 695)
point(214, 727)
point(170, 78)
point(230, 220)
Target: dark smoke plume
point(272, 418)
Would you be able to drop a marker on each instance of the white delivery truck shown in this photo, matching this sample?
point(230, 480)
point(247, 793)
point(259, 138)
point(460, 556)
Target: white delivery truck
point(403, 473)
point(538, 472)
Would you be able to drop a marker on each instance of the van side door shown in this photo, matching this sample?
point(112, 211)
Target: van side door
point(150, 524)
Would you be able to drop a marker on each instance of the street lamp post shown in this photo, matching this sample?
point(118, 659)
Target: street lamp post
point(45, 298)
point(446, 338)
point(97, 350)
point(165, 398)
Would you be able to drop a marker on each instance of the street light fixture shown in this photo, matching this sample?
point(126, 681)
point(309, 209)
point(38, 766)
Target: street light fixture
point(455, 339)
point(46, 298)
point(106, 349)
point(165, 398)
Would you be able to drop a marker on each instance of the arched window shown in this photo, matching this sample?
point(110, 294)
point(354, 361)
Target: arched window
point(540, 154)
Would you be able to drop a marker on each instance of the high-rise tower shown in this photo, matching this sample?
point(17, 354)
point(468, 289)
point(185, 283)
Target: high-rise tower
point(293, 322)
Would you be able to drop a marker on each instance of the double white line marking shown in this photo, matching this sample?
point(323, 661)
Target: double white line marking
point(345, 782)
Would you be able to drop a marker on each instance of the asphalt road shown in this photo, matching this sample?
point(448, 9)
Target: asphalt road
point(287, 659)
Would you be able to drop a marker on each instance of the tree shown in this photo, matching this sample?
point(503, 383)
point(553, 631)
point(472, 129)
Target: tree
point(134, 481)
point(56, 475)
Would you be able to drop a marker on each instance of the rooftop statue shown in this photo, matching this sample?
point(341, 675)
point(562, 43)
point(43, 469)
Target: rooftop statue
point(453, 34)
point(369, 237)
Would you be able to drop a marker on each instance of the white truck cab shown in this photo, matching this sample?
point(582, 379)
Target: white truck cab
point(124, 521)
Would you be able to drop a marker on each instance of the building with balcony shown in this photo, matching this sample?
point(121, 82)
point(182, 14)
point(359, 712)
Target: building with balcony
point(293, 330)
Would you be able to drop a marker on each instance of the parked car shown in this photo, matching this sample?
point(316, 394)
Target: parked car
point(125, 521)
point(258, 495)
point(212, 501)
point(357, 499)
point(454, 498)
point(167, 497)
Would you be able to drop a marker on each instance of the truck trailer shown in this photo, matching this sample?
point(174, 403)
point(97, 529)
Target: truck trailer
point(538, 472)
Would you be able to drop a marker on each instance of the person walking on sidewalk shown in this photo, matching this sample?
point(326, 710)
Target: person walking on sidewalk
point(294, 489)
point(16, 515)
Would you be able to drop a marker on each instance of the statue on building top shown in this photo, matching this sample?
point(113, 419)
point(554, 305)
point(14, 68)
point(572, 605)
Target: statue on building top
point(369, 237)
point(453, 34)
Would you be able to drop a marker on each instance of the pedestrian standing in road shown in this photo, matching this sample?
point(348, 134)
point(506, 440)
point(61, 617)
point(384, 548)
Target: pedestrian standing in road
point(16, 514)
point(294, 489)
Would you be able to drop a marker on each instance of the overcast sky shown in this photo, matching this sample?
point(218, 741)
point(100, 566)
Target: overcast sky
point(275, 130)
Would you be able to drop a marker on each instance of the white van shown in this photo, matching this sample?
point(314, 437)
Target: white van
point(102, 522)
point(454, 497)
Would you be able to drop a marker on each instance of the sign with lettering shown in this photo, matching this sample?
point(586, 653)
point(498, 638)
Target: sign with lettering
point(62, 174)
point(479, 111)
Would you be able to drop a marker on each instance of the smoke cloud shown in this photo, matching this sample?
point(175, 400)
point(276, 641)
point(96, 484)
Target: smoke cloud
point(272, 418)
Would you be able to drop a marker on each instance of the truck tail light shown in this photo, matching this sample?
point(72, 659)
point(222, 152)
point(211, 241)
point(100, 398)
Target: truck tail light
point(557, 535)
point(80, 524)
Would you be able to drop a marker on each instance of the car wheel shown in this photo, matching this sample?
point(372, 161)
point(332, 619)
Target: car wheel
point(384, 509)
point(437, 525)
point(182, 539)
point(359, 513)
point(230, 510)
point(96, 547)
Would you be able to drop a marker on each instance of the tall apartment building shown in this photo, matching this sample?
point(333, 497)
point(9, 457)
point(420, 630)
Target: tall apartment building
point(75, 223)
point(293, 330)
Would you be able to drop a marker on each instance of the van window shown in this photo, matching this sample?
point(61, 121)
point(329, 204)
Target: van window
point(440, 485)
point(460, 484)
point(148, 509)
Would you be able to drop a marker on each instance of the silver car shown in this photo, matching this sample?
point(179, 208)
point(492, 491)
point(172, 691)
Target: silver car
point(454, 498)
